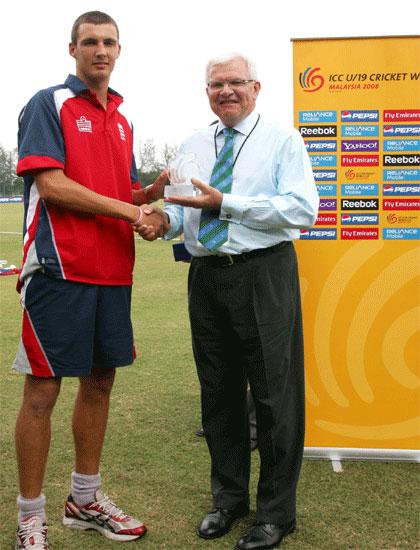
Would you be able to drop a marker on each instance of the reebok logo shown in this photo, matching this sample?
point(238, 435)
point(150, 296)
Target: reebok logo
point(318, 130)
point(401, 160)
point(372, 204)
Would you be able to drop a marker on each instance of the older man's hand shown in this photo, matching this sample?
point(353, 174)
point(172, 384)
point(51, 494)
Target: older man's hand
point(154, 223)
point(209, 197)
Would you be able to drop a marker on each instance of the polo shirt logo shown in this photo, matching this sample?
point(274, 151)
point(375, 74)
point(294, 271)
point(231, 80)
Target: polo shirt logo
point(84, 125)
point(121, 130)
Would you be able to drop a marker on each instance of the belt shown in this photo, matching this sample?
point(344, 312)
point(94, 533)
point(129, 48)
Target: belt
point(227, 260)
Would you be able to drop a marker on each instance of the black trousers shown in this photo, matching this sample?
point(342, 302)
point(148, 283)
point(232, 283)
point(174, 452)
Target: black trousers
point(246, 326)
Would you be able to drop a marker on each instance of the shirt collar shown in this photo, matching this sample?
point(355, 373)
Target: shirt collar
point(79, 87)
point(244, 127)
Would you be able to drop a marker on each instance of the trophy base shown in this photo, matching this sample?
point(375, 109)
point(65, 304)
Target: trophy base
point(179, 190)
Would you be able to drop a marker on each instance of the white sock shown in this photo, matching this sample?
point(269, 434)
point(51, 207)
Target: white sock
point(31, 507)
point(84, 487)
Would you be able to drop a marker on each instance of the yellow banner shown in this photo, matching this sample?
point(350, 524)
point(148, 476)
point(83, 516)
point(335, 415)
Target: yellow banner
point(357, 106)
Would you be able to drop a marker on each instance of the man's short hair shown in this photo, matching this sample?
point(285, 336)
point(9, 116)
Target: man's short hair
point(222, 60)
point(95, 17)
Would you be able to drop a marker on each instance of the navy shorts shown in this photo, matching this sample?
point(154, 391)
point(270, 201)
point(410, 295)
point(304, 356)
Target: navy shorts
point(70, 327)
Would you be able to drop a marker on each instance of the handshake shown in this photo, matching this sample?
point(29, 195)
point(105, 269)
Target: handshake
point(151, 223)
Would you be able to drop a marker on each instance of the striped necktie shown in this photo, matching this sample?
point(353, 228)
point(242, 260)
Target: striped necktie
point(214, 232)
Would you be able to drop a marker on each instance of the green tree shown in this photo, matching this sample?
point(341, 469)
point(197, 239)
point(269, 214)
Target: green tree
point(151, 162)
point(10, 184)
point(169, 152)
point(147, 160)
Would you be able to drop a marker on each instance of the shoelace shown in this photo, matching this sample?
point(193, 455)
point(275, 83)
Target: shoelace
point(29, 531)
point(110, 508)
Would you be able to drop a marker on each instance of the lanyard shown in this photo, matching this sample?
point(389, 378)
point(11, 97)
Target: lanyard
point(240, 148)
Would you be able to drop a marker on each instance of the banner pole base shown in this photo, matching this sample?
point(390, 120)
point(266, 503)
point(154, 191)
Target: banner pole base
point(337, 454)
point(336, 466)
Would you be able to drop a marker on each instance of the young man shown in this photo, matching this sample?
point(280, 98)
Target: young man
point(244, 301)
point(81, 206)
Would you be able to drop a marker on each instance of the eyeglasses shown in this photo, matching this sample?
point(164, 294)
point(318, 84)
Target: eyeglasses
point(237, 84)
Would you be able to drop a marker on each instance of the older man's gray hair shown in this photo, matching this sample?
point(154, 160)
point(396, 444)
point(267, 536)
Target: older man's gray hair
point(223, 60)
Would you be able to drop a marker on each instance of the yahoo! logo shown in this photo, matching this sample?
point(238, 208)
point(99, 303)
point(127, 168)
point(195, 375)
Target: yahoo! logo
point(328, 204)
point(310, 81)
point(360, 145)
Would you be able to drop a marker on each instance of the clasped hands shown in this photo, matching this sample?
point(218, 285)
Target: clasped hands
point(154, 222)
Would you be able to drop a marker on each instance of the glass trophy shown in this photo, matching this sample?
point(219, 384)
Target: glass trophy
point(181, 170)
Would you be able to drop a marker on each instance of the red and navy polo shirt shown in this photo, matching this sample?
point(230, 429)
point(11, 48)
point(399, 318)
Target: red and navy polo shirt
point(66, 127)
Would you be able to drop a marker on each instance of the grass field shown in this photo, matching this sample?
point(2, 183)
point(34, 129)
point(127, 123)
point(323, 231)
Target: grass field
point(154, 465)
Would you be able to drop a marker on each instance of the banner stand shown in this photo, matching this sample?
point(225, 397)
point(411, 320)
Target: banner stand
point(357, 107)
point(337, 454)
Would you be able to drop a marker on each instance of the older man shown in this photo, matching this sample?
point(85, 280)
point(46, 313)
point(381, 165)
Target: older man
point(244, 300)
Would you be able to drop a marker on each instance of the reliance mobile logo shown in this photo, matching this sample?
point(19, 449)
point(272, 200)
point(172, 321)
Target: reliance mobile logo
point(317, 116)
point(323, 160)
point(360, 116)
point(401, 145)
point(401, 175)
point(401, 233)
point(310, 81)
point(357, 130)
point(362, 189)
point(327, 189)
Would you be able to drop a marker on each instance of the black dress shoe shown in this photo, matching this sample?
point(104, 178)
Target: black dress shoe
point(265, 535)
point(200, 432)
point(219, 521)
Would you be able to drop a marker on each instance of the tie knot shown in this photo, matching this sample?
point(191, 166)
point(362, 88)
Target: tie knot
point(228, 132)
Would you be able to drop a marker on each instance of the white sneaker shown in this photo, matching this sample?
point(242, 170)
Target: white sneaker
point(32, 534)
point(103, 516)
